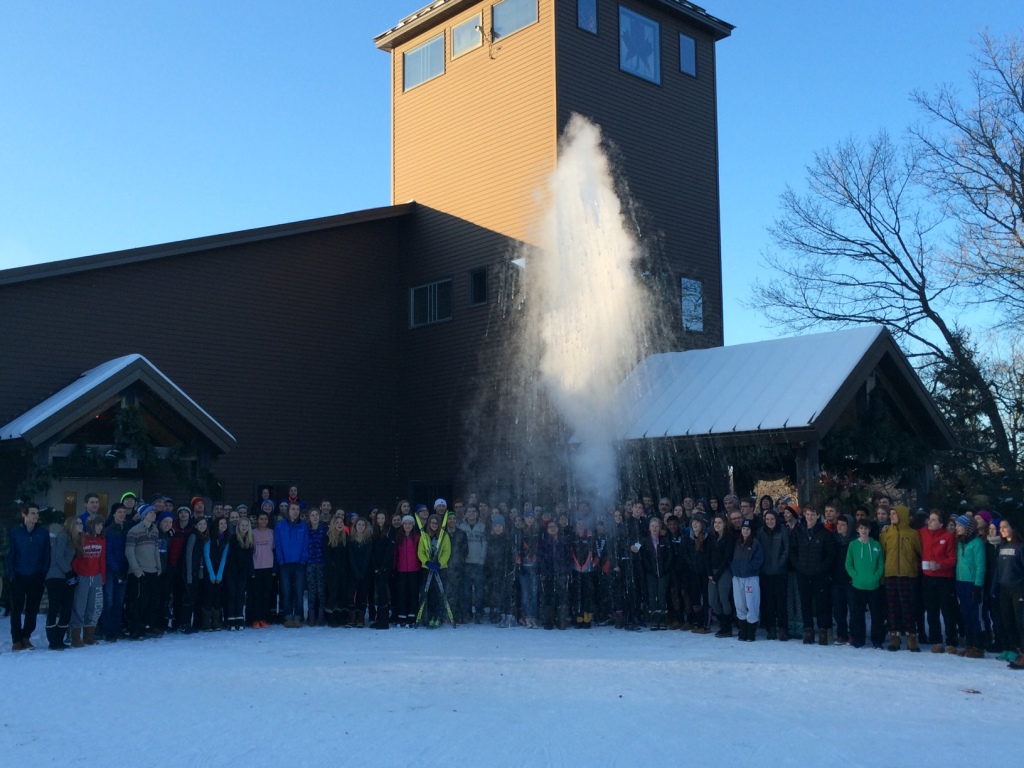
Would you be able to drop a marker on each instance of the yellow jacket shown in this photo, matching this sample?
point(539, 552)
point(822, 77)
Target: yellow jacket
point(901, 545)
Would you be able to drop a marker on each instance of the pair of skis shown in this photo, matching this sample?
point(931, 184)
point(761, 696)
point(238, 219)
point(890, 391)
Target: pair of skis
point(431, 576)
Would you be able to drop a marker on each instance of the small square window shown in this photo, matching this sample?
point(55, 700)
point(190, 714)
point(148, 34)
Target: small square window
point(687, 55)
point(430, 303)
point(478, 287)
point(423, 63)
point(510, 16)
point(692, 305)
point(467, 35)
point(586, 15)
point(639, 45)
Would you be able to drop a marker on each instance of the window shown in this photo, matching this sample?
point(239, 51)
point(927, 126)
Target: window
point(478, 287)
point(639, 46)
point(422, 63)
point(510, 16)
point(430, 303)
point(687, 55)
point(466, 36)
point(586, 15)
point(693, 305)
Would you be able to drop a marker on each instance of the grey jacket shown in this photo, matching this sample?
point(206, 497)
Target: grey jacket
point(61, 555)
point(776, 550)
point(476, 538)
point(141, 549)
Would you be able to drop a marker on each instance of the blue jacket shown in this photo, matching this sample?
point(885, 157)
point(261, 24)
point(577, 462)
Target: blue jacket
point(30, 552)
point(291, 542)
point(747, 561)
point(117, 537)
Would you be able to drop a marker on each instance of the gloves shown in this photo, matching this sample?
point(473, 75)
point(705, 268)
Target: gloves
point(977, 595)
point(434, 565)
point(72, 580)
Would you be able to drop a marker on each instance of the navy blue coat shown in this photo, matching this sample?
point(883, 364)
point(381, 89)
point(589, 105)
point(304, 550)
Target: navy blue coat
point(30, 552)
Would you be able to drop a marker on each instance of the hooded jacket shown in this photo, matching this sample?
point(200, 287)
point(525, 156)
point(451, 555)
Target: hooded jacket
point(747, 561)
point(775, 543)
point(61, 555)
point(865, 564)
point(902, 546)
point(291, 542)
point(970, 558)
point(438, 549)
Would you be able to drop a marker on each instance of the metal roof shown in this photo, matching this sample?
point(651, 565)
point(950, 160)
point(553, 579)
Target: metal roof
point(94, 389)
point(738, 390)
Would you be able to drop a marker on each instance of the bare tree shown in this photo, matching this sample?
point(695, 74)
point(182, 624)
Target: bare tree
point(972, 154)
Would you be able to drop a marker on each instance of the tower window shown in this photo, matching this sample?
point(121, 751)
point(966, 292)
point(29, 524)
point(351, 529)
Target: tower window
point(467, 36)
point(692, 305)
point(431, 303)
point(423, 63)
point(639, 45)
point(510, 16)
point(586, 15)
point(478, 287)
point(687, 55)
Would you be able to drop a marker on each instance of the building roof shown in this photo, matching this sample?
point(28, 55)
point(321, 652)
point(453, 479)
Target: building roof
point(180, 247)
point(737, 393)
point(439, 10)
point(93, 391)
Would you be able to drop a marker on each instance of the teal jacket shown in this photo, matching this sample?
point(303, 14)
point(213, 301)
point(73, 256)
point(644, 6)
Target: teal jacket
point(970, 561)
point(865, 563)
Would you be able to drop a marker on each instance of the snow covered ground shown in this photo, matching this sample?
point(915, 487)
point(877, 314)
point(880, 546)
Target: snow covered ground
point(482, 696)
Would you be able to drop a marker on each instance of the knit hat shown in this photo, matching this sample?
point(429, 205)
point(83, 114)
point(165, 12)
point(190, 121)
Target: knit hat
point(196, 500)
point(966, 521)
point(747, 524)
point(529, 512)
point(985, 515)
point(267, 503)
point(408, 518)
point(240, 507)
point(439, 502)
point(498, 520)
point(183, 508)
point(125, 495)
point(420, 508)
point(145, 509)
point(165, 515)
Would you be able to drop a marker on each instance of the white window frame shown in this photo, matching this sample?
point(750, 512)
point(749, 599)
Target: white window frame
point(475, 23)
point(430, 293)
point(421, 48)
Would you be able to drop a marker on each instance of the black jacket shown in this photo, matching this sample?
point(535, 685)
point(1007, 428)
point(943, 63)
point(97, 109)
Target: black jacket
point(360, 559)
point(383, 554)
point(720, 551)
point(656, 558)
point(812, 551)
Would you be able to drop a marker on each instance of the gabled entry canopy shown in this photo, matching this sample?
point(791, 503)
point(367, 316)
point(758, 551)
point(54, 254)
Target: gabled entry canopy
point(97, 390)
point(788, 390)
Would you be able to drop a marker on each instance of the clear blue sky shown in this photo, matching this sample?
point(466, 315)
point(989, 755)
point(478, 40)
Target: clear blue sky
point(128, 124)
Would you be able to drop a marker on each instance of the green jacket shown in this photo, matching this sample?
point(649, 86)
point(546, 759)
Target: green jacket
point(970, 561)
point(865, 563)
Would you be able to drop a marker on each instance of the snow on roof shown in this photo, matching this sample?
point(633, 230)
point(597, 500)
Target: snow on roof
point(81, 387)
point(725, 390)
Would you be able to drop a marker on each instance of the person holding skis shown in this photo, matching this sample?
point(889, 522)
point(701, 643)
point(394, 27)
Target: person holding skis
point(435, 548)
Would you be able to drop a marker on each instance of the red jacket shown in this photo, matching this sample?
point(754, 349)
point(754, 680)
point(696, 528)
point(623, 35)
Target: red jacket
point(938, 547)
point(406, 558)
point(179, 537)
point(93, 560)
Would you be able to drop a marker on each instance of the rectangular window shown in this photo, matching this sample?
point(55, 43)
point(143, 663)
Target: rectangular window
point(467, 35)
point(510, 16)
point(639, 45)
point(478, 287)
point(586, 15)
point(430, 303)
point(422, 63)
point(693, 305)
point(687, 55)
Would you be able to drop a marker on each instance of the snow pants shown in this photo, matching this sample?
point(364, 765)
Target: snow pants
point(841, 608)
point(472, 597)
point(88, 602)
point(657, 596)
point(234, 600)
point(582, 588)
point(145, 591)
point(746, 593)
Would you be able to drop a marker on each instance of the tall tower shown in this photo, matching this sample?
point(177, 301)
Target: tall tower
point(481, 90)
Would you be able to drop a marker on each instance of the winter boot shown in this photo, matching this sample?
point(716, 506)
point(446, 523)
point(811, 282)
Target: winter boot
point(89, 635)
point(938, 648)
point(619, 620)
point(725, 626)
point(751, 631)
point(974, 653)
point(1017, 664)
point(773, 635)
point(822, 637)
point(912, 642)
point(808, 637)
point(894, 641)
point(55, 638)
point(76, 638)
point(207, 620)
point(783, 635)
point(741, 633)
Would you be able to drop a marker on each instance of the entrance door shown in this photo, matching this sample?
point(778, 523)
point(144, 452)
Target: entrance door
point(69, 493)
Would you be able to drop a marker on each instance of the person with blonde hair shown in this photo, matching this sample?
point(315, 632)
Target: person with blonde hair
point(238, 572)
point(336, 571)
point(60, 582)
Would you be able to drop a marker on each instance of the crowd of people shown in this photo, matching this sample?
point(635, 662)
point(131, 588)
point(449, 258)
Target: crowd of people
point(882, 575)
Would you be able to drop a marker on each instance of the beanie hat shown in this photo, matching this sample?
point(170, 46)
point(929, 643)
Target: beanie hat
point(439, 502)
point(196, 500)
point(183, 508)
point(965, 520)
point(267, 503)
point(497, 520)
point(747, 524)
point(165, 516)
point(529, 512)
point(408, 518)
point(145, 509)
point(985, 515)
point(420, 508)
point(240, 507)
point(127, 494)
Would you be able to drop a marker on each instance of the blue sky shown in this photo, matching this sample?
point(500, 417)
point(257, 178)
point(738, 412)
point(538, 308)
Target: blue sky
point(129, 124)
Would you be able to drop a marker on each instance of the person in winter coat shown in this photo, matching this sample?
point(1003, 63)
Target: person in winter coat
point(316, 590)
point(360, 568)
point(90, 567)
point(164, 542)
point(195, 573)
point(28, 563)
point(434, 550)
point(61, 582)
point(238, 574)
point(938, 570)
point(383, 564)
point(774, 540)
point(180, 532)
point(902, 547)
point(215, 557)
point(656, 563)
point(865, 565)
point(261, 589)
point(554, 564)
point(407, 569)
point(456, 565)
point(697, 556)
point(812, 552)
point(527, 544)
point(721, 544)
point(291, 545)
point(1009, 583)
point(970, 583)
point(747, 559)
point(336, 581)
point(679, 607)
point(116, 535)
point(500, 573)
point(473, 598)
point(843, 535)
point(143, 554)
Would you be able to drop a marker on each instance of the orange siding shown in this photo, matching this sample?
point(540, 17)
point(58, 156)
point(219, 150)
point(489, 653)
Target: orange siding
point(478, 141)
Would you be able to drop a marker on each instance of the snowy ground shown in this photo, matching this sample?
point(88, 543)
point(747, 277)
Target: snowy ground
point(482, 696)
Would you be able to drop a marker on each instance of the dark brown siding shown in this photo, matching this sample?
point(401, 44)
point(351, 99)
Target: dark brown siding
point(290, 343)
point(666, 140)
